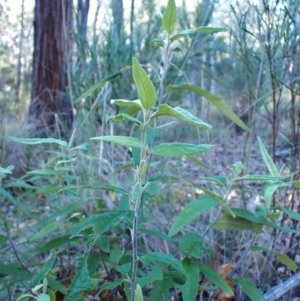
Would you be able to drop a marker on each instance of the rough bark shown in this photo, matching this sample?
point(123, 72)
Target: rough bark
point(50, 109)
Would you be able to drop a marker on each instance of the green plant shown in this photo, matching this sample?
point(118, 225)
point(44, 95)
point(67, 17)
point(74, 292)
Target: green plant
point(113, 237)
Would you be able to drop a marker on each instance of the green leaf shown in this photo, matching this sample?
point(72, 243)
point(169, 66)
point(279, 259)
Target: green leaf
point(261, 220)
point(123, 117)
point(190, 288)
point(138, 293)
point(289, 212)
point(70, 208)
point(175, 268)
point(160, 289)
point(43, 172)
point(100, 84)
point(53, 244)
point(157, 234)
point(127, 103)
point(44, 271)
point(197, 161)
point(262, 178)
point(180, 114)
point(124, 268)
point(203, 29)
point(249, 289)
point(99, 222)
point(106, 187)
point(82, 281)
point(122, 140)
point(236, 168)
point(103, 243)
point(218, 102)
point(14, 270)
point(214, 278)
point(152, 276)
point(48, 229)
point(163, 177)
point(36, 141)
point(267, 159)
point(283, 258)
point(227, 222)
point(157, 42)
point(4, 170)
point(153, 257)
point(169, 17)
point(218, 198)
point(191, 211)
point(137, 190)
point(296, 184)
point(145, 88)
point(56, 285)
point(3, 239)
point(14, 201)
point(150, 135)
point(178, 149)
point(111, 285)
point(269, 188)
point(113, 176)
point(191, 245)
point(287, 261)
point(177, 273)
point(43, 297)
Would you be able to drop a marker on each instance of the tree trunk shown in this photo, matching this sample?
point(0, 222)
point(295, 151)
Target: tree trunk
point(50, 109)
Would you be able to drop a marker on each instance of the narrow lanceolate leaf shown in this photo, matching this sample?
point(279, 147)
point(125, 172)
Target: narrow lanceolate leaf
point(190, 212)
point(227, 222)
point(203, 29)
point(122, 140)
point(287, 261)
point(145, 88)
point(216, 197)
point(267, 159)
point(47, 230)
point(190, 288)
point(169, 17)
point(179, 149)
point(283, 258)
point(122, 117)
point(44, 271)
point(215, 278)
point(249, 289)
point(36, 141)
point(218, 102)
point(180, 114)
point(100, 84)
point(100, 223)
point(4, 171)
point(14, 201)
point(127, 103)
point(269, 188)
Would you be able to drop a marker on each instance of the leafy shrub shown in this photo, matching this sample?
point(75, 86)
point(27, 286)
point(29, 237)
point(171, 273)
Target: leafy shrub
point(112, 237)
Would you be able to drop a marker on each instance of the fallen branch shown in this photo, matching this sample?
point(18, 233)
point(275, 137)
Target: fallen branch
point(276, 292)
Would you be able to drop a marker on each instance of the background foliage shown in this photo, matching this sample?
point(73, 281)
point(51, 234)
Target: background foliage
point(48, 188)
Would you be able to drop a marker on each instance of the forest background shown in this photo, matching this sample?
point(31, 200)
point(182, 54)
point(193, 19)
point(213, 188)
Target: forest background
point(253, 65)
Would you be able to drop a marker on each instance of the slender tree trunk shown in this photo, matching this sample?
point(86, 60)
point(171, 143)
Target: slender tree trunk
point(50, 109)
point(19, 62)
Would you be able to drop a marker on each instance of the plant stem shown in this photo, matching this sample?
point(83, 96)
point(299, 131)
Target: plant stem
point(134, 233)
point(134, 247)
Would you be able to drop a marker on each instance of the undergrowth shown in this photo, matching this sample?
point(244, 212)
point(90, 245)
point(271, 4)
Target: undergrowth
point(116, 216)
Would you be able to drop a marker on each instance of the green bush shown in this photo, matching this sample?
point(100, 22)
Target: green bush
point(114, 238)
